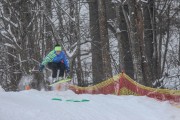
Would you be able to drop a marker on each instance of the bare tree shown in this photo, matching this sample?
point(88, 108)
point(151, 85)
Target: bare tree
point(179, 50)
point(22, 32)
point(97, 71)
point(135, 40)
point(104, 39)
point(16, 27)
point(125, 57)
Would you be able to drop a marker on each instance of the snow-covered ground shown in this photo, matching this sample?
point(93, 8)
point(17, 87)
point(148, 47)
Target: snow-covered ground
point(38, 105)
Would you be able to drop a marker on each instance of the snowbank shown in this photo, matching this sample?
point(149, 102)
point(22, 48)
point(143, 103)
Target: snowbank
point(1, 89)
point(38, 105)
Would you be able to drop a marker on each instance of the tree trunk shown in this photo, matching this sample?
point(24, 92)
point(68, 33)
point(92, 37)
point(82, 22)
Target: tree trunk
point(141, 61)
point(110, 12)
point(167, 40)
point(135, 41)
point(48, 29)
point(97, 71)
point(179, 50)
point(107, 70)
point(156, 65)
point(148, 40)
point(80, 74)
point(125, 57)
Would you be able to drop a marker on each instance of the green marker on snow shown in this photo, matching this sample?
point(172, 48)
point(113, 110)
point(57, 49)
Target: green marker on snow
point(58, 99)
point(71, 100)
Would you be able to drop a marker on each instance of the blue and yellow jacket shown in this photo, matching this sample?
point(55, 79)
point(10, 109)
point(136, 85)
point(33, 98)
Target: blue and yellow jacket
point(53, 57)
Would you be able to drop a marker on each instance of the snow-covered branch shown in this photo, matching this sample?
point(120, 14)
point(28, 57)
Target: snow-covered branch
point(9, 21)
point(13, 37)
point(72, 19)
point(9, 45)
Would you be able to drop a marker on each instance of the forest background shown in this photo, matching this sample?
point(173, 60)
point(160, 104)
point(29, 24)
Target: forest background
point(100, 37)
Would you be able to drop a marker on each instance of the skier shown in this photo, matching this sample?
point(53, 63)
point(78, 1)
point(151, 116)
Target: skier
point(56, 60)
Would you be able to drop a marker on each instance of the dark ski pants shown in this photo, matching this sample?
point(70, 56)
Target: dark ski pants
point(55, 67)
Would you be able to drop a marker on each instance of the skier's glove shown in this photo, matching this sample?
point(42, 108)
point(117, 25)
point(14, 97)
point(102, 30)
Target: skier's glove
point(41, 67)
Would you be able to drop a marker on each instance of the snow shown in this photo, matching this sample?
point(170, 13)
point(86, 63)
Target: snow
point(1, 89)
point(145, 1)
point(70, 54)
point(170, 79)
point(37, 105)
point(9, 45)
point(25, 80)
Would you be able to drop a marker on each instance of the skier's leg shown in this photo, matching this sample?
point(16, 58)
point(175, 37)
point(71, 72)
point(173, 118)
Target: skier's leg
point(54, 68)
point(62, 69)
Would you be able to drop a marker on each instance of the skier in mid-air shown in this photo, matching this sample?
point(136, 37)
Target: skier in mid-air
point(56, 60)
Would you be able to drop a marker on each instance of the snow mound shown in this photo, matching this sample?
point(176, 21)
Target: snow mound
point(1, 89)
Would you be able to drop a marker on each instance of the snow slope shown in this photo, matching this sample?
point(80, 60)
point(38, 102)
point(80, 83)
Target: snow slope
point(37, 105)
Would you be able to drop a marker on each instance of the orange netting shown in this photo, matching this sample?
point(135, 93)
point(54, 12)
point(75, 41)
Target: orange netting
point(122, 84)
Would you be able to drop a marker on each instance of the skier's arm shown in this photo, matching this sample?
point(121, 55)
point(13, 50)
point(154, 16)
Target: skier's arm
point(48, 58)
point(66, 61)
